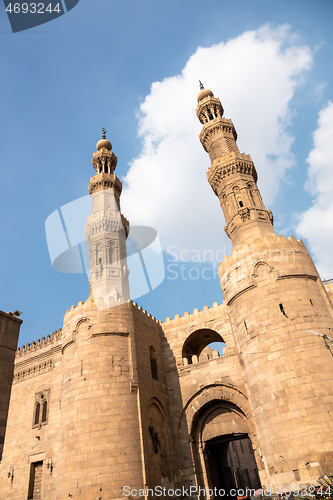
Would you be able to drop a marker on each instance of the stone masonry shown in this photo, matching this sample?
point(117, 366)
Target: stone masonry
point(117, 404)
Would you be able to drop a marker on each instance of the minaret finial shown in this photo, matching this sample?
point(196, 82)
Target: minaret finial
point(201, 86)
point(104, 133)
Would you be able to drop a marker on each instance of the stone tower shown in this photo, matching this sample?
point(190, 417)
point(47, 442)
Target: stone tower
point(112, 371)
point(232, 174)
point(106, 231)
point(274, 296)
point(100, 428)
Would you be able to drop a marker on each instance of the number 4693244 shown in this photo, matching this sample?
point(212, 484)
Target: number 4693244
point(32, 8)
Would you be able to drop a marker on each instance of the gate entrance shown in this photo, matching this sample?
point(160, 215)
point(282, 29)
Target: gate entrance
point(231, 466)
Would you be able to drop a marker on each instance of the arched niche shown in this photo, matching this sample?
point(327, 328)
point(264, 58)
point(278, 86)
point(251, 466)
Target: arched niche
point(159, 470)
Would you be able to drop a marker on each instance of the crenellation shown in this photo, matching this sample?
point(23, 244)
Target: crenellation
point(39, 344)
point(190, 316)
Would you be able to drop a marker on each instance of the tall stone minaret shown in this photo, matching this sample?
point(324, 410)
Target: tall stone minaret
point(101, 448)
point(232, 174)
point(275, 300)
point(106, 231)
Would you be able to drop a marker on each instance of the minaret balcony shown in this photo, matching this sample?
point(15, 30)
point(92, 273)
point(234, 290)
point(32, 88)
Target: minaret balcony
point(105, 180)
point(228, 165)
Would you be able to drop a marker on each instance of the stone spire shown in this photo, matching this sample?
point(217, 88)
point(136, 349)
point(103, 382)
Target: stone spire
point(106, 231)
point(232, 175)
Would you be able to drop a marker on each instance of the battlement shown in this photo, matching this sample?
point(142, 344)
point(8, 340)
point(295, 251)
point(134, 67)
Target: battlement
point(177, 320)
point(267, 258)
point(259, 248)
point(88, 305)
point(145, 312)
point(39, 343)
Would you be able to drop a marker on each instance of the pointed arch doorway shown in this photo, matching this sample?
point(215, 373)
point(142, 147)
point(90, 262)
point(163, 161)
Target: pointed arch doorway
point(222, 450)
point(231, 465)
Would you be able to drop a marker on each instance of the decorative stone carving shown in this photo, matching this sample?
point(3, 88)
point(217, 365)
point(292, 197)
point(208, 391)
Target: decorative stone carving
point(102, 225)
point(33, 371)
point(244, 214)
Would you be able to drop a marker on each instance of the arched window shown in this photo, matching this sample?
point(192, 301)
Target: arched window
point(112, 253)
point(240, 201)
point(98, 254)
point(37, 412)
point(252, 197)
point(41, 408)
point(44, 413)
point(153, 363)
point(202, 345)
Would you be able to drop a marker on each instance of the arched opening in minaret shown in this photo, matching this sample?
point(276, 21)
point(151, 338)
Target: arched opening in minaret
point(202, 345)
point(111, 252)
point(251, 193)
point(98, 255)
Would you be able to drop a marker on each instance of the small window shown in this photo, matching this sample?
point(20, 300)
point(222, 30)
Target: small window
point(41, 408)
point(153, 363)
point(37, 412)
point(44, 414)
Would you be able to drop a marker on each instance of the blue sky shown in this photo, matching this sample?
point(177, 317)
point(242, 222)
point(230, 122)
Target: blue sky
point(94, 67)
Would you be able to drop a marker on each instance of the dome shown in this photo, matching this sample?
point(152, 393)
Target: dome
point(204, 93)
point(103, 143)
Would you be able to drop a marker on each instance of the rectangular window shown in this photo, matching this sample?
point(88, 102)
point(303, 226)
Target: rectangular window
point(35, 482)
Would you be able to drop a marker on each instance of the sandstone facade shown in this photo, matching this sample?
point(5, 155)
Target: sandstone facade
point(117, 400)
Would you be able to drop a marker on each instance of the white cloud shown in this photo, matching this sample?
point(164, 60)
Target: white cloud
point(316, 224)
point(255, 75)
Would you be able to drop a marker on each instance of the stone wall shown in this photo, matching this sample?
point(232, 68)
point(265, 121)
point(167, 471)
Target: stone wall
point(274, 296)
point(202, 387)
point(27, 443)
point(9, 332)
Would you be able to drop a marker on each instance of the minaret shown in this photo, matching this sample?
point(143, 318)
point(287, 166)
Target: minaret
point(106, 231)
point(232, 174)
point(274, 299)
point(100, 448)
